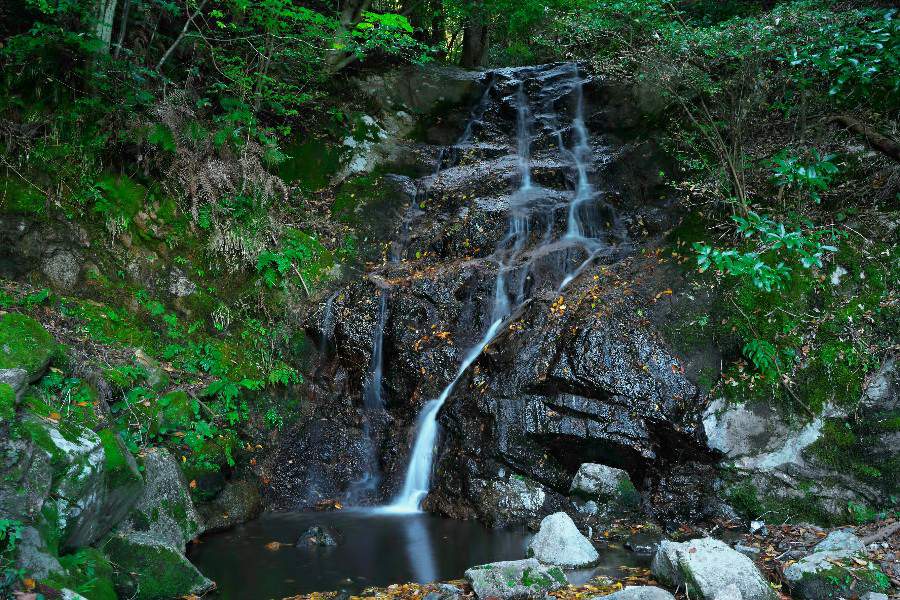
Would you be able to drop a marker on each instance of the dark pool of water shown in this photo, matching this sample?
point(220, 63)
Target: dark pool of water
point(374, 550)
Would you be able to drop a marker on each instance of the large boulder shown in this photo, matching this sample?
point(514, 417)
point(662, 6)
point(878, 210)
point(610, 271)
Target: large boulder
point(604, 484)
point(515, 580)
point(164, 510)
point(513, 500)
point(147, 547)
point(836, 568)
point(558, 542)
point(706, 567)
point(94, 480)
point(147, 569)
point(787, 459)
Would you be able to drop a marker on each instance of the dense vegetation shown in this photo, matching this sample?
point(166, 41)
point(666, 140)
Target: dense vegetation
point(205, 136)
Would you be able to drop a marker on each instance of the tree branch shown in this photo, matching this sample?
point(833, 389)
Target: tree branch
point(876, 140)
point(184, 30)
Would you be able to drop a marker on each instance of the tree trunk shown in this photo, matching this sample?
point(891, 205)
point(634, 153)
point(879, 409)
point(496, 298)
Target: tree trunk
point(351, 12)
point(875, 140)
point(475, 43)
point(123, 26)
point(105, 14)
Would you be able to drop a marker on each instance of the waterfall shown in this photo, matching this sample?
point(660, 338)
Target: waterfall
point(372, 393)
point(581, 151)
point(418, 473)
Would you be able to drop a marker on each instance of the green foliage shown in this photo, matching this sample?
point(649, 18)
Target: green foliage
point(772, 239)
point(301, 258)
point(273, 418)
point(10, 534)
point(810, 176)
point(857, 57)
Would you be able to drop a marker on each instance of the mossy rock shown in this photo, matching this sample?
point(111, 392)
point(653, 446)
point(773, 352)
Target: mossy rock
point(147, 569)
point(88, 573)
point(7, 402)
point(95, 481)
point(164, 510)
point(175, 411)
point(24, 344)
point(835, 580)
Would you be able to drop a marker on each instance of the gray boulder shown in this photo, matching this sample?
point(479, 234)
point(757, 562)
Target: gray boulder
point(15, 378)
point(604, 484)
point(706, 567)
point(444, 591)
point(164, 510)
point(62, 268)
point(638, 592)
point(179, 285)
point(95, 480)
point(238, 502)
point(558, 542)
point(873, 596)
point(830, 569)
point(515, 580)
point(771, 451)
point(516, 500)
point(147, 547)
point(35, 557)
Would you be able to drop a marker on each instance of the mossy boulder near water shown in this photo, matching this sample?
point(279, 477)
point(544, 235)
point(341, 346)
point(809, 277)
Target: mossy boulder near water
point(148, 545)
point(164, 509)
point(147, 569)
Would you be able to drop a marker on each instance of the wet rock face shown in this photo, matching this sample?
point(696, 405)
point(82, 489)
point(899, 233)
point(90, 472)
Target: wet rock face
point(575, 376)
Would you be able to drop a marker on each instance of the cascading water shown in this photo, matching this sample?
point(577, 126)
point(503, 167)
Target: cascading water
point(372, 392)
point(418, 473)
point(373, 403)
point(580, 154)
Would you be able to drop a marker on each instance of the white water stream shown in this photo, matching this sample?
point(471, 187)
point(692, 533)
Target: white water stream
point(419, 471)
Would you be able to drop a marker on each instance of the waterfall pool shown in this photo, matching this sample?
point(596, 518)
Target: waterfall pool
point(374, 549)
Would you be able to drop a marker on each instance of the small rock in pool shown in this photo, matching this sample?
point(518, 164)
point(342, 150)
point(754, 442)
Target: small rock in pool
point(316, 536)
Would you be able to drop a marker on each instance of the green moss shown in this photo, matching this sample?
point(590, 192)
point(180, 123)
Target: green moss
point(17, 196)
point(628, 494)
point(24, 344)
point(150, 571)
point(749, 503)
point(7, 402)
point(90, 574)
point(176, 411)
point(118, 466)
point(311, 165)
